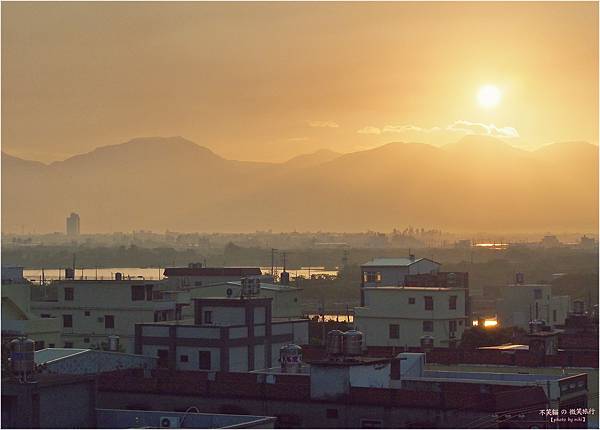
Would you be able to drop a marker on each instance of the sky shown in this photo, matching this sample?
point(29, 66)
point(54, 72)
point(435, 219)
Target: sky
point(268, 81)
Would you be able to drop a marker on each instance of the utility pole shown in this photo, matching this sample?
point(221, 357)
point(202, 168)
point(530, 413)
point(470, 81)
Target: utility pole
point(273, 261)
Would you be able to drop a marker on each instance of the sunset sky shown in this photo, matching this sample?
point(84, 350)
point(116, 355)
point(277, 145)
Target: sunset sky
point(269, 81)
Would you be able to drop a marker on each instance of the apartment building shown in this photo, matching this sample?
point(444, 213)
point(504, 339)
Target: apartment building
point(226, 334)
point(17, 316)
point(91, 310)
point(521, 303)
point(392, 272)
point(412, 316)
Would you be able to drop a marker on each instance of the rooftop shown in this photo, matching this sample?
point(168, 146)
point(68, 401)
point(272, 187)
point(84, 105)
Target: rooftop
point(394, 262)
point(425, 288)
point(212, 271)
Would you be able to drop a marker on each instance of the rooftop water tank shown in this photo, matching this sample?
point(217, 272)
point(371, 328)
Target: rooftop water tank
point(22, 355)
point(352, 342)
point(113, 343)
point(335, 342)
point(290, 357)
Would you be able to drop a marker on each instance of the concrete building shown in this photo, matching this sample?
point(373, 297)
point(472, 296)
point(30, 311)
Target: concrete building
point(17, 316)
point(73, 224)
point(286, 299)
point(412, 316)
point(126, 419)
point(49, 401)
point(358, 392)
point(521, 303)
point(226, 334)
point(72, 361)
point(393, 271)
point(91, 310)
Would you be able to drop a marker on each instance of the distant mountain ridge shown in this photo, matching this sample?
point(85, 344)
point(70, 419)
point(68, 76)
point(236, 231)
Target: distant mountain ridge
point(173, 183)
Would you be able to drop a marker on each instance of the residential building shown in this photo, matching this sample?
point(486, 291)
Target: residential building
point(73, 224)
point(49, 401)
point(521, 303)
point(226, 334)
point(393, 271)
point(358, 392)
point(17, 317)
point(286, 299)
point(412, 316)
point(127, 419)
point(91, 310)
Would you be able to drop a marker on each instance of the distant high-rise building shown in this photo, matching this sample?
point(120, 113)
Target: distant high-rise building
point(73, 224)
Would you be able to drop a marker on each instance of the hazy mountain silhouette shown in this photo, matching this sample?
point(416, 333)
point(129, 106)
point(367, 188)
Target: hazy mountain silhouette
point(477, 183)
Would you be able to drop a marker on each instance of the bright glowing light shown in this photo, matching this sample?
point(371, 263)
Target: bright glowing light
point(490, 323)
point(489, 96)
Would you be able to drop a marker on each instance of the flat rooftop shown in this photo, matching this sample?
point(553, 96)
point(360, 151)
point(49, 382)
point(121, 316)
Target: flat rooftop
point(394, 262)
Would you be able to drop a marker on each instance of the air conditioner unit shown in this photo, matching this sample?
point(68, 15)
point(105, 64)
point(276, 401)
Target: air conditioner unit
point(169, 422)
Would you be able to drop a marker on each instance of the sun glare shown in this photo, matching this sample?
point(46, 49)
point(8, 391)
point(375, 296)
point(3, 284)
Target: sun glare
point(489, 96)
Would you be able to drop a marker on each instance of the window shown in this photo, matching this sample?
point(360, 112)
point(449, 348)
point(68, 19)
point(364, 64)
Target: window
point(87, 313)
point(452, 326)
point(86, 340)
point(331, 413)
point(50, 345)
point(204, 360)
point(183, 358)
point(394, 331)
point(149, 292)
point(207, 317)
point(197, 283)
point(109, 321)
point(45, 316)
point(428, 303)
point(372, 277)
point(163, 358)
point(137, 292)
point(537, 294)
point(69, 294)
point(427, 325)
point(67, 321)
point(554, 315)
point(452, 304)
point(68, 344)
point(411, 300)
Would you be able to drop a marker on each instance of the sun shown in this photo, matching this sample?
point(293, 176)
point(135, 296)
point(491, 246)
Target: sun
point(489, 96)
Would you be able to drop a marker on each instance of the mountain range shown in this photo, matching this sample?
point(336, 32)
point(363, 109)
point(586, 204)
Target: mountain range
point(158, 183)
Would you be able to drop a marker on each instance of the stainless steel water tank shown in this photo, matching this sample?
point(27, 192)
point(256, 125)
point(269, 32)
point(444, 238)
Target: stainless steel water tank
point(353, 342)
point(22, 355)
point(335, 342)
point(290, 357)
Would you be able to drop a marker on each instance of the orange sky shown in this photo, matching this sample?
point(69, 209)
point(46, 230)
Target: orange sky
point(259, 81)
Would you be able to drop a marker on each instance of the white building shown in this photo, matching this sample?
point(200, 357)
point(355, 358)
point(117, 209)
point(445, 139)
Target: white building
point(522, 303)
point(226, 334)
point(17, 317)
point(412, 316)
point(392, 271)
point(91, 310)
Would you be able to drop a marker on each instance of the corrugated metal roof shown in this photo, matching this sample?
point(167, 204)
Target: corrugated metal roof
point(50, 354)
point(378, 262)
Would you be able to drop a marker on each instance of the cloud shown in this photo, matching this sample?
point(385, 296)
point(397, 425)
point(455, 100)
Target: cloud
point(469, 127)
point(323, 124)
point(405, 128)
point(369, 130)
point(460, 126)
